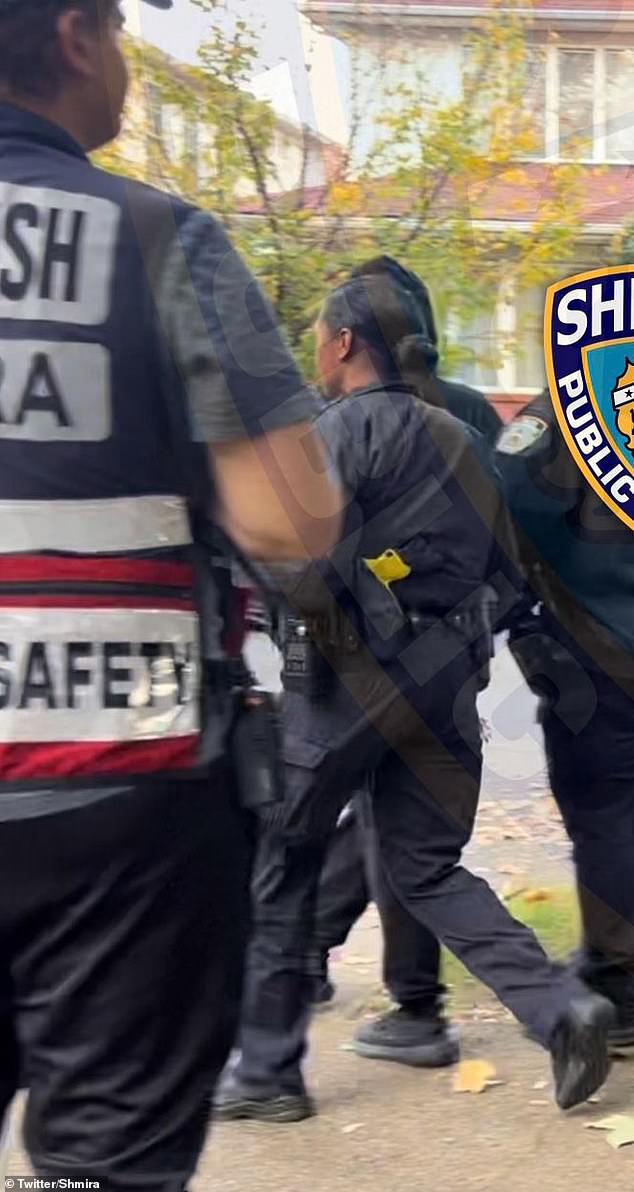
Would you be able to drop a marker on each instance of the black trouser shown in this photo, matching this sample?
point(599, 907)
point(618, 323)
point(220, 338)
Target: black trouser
point(351, 878)
point(423, 749)
point(591, 768)
point(122, 927)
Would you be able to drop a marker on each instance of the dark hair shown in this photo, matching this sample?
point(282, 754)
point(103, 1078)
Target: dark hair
point(30, 67)
point(388, 321)
point(376, 312)
point(406, 279)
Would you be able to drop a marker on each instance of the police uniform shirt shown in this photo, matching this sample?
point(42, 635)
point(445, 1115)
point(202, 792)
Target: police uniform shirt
point(228, 371)
point(419, 479)
point(586, 554)
point(471, 407)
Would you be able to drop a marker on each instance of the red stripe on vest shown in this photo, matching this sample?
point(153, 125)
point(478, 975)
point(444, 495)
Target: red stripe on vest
point(114, 601)
point(51, 568)
point(91, 759)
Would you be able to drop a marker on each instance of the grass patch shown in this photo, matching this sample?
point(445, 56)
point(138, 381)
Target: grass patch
point(553, 915)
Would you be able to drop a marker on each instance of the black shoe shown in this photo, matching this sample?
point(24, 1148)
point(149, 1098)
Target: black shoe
point(423, 1041)
point(612, 984)
point(322, 993)
point(236, 1103)
point(579, 1049)
point(621, 1034)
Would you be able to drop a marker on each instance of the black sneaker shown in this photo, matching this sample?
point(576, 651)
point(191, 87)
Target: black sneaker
point(579, 1049)
point(423, 1041)
point(236, 1103)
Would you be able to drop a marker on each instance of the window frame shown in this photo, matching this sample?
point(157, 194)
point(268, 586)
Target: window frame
point(551, 149)
point(504, 323)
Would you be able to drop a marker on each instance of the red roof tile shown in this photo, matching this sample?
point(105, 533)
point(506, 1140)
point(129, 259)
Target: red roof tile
point(607, 196)
point(607, 192)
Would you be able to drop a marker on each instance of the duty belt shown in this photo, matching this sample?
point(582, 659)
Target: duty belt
point(311, 645)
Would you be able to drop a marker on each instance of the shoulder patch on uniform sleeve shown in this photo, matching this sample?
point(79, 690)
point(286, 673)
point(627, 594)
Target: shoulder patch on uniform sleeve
point(521, 434)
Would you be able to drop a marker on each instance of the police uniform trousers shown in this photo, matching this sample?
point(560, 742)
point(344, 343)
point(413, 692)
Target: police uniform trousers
point(416, 729)
point(351, 878)
point(590, 752)
point(122, 930)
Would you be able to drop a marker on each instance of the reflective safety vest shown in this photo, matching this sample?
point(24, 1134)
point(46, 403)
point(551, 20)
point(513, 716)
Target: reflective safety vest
point(100, 638)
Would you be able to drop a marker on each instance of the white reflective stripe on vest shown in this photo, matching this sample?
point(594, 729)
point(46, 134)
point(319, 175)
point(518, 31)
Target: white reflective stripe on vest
point(114, 526)
point(75, 674)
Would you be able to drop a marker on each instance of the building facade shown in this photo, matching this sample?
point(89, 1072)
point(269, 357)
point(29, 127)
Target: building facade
point(170, 138)
point(580, 89)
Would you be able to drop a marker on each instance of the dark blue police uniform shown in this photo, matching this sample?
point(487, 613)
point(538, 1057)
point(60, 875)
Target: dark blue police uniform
point(399, 701)
point(351, 878)
point(120, 843)
point(579, 656)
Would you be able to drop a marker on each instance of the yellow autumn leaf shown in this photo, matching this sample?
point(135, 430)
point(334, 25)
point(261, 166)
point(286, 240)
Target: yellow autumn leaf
point(616, 1121)
point(473, 1076)
point(538, 896)
point(619, 1127)
point(623, 1135)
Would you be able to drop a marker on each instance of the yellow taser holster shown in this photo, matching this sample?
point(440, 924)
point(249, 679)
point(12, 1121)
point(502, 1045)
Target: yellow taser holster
point(388, 568)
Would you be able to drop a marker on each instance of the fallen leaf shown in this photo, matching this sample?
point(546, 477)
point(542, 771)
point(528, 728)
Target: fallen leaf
point(538, 896)
point(473, 1076)
point(623, 1136)
point(614, 1122)
point(540, 1084)
point(352, 1127)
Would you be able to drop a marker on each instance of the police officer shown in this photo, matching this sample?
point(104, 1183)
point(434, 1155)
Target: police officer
point(129, 360)
point(396, 615)
point(414, 1032)
point(578, 656)
point(419, 358)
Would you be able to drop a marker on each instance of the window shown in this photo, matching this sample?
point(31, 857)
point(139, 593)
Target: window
point(530, 372)
point(534, 89)
point(502, 349)
point(173, 132)
point(590, 114)
point(619, 105)
point(576, 103)
point(581, 103)
point(478, 341)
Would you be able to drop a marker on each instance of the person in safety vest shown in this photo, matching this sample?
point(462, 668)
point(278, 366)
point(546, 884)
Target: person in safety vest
point(144, 392)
